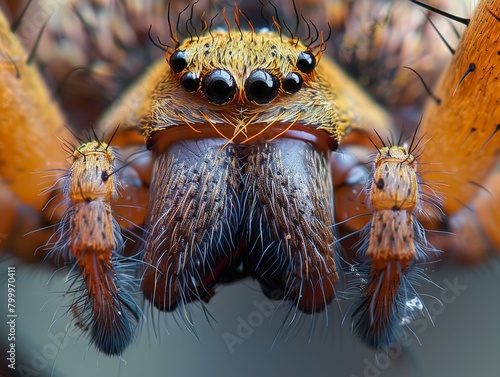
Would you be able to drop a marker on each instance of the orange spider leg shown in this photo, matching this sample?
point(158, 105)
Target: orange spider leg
point(393, 242)
point(463, 145)
point(30, 151)
point(474, 228)
point(88, 239)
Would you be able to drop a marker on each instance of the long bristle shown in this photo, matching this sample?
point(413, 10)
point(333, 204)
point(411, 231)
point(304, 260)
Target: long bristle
point(392, 248)
point(88, 240)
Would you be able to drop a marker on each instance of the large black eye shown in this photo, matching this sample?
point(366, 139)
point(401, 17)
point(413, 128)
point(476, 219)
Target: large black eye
point(190, 82)
point(261, 86)
point(306, 62)
point(178, 61)
point(219, 86)
point(292, 82)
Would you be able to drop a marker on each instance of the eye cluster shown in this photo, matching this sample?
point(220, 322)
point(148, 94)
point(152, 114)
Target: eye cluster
point(261, 86)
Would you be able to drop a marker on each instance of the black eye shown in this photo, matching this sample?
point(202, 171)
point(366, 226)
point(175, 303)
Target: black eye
point(292, 82)
point(178, 61)
point(261, 86)
point(219, 86)
point(190, 82)
point(306, 62)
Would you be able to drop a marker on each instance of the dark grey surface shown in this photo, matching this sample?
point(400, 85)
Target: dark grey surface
point(464, 342)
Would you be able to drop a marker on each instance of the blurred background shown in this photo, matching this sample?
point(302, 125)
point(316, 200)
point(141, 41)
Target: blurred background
point(464, 340)
point(247, 334)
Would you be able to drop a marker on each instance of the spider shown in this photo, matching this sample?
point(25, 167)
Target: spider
point(237, 176)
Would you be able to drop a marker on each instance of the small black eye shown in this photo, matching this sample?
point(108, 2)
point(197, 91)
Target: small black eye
point(292, 82)
point(380, 184)
point(219, 86)
point(190, 82)
point(306, 62)
point(178, 61)
point(261, 86)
